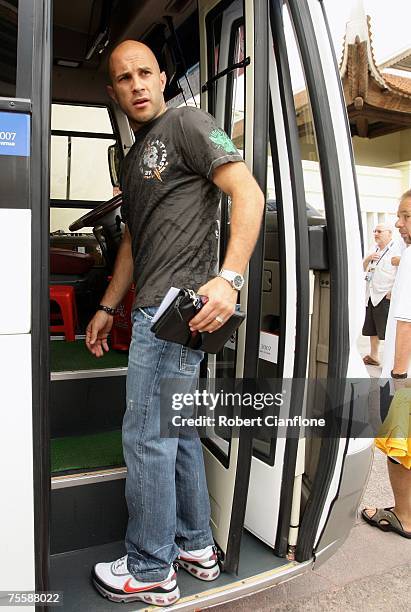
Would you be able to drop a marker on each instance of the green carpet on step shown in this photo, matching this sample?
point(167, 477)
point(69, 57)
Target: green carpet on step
point(87, 452)
point(66, 356)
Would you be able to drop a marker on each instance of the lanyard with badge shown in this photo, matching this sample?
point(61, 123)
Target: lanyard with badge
point(374, 264)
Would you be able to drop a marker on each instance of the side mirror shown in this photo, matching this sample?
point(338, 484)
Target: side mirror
point(114, 164)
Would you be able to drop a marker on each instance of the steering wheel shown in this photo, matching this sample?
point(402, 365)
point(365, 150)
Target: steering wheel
point(91, 218)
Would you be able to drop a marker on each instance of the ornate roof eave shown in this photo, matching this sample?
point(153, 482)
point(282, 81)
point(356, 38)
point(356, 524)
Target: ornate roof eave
point(358, 30)
point(377, 102)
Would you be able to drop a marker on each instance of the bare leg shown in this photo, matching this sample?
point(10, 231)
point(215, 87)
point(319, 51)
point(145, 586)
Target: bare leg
point(375, 345)
point(400, 479)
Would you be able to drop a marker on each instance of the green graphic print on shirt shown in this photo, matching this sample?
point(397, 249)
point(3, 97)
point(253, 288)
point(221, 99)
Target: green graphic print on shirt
point(220, 139)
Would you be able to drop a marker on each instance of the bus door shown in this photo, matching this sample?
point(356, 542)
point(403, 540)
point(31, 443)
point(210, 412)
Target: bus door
point(337, 475)
point(300, 476)
point(305, 171)
point(24, 117)
point(255, 111)
point(233, 42)
point(311, 289)
point(284, 318)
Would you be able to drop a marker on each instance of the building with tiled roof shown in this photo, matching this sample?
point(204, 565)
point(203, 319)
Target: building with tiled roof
point(378, 101)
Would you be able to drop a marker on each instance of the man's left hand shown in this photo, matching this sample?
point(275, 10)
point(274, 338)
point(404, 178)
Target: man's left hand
point(222, 299)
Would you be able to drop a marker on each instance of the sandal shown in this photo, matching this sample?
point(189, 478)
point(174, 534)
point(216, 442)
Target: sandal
point(368, 360)
point(391, 521)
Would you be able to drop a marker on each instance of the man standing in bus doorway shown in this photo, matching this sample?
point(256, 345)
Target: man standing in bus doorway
point(171, 181)
point(397, 368)
point(379, 278)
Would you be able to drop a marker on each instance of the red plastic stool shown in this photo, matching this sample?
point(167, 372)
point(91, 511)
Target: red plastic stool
point(64, 296)
point(121, 331)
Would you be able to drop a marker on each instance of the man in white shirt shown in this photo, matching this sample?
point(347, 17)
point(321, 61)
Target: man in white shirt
point(397, 368)
point(397, 350)
point(379, 277)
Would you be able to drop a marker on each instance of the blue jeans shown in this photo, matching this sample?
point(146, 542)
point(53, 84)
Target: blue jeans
point(166, 489)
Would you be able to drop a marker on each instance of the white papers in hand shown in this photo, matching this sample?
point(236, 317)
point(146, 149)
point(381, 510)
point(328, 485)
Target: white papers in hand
point(169, 297)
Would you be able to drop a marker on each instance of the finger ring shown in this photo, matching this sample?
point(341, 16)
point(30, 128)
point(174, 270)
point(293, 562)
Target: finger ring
point(219, 319)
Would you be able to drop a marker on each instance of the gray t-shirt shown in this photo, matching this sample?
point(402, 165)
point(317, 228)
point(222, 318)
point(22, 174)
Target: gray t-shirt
point(170, 204)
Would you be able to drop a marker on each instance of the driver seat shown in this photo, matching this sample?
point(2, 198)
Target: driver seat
point(107, 226)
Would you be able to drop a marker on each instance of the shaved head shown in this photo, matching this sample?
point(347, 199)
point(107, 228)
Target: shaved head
point(137, 85)
point(129, 48)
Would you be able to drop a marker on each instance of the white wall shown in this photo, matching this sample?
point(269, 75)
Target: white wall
point(379, 189)
point(380, 151)
point(384, 150)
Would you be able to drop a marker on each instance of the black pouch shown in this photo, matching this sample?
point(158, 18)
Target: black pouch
point(173, 324)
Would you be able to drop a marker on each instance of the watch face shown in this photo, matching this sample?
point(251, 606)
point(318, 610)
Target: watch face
point(238, 281)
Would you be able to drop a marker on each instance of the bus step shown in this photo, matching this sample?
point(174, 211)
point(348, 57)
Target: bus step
point(88, 514)
point(86, 405)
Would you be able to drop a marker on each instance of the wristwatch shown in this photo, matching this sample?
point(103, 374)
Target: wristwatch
point(107, 309)
point(235, 279)
point(399, 376)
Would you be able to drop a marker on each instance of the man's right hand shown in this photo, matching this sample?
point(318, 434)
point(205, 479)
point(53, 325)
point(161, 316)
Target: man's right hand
point(97, 333)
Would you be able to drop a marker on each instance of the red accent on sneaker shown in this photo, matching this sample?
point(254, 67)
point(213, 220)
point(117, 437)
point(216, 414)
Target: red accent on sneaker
point(203, 575)
point(129, 589)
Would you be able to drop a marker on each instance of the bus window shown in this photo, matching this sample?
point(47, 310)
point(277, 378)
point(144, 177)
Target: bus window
point(93, 119)
point(234, 123)
point(189, 86)
point(306, 131)
point(8, 56)
point(80, 138)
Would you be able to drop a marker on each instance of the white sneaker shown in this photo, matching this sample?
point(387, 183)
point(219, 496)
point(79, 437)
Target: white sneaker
point(114, 581)
point(202, 564)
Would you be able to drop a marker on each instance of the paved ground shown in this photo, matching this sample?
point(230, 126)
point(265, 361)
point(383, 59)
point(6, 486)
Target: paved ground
point(370, 572)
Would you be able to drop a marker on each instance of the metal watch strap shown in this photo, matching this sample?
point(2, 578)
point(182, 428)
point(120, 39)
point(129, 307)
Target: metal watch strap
point(235, 279)
point(107, 309)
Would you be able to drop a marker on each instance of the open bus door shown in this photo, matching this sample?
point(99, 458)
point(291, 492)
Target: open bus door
point(229, 84)
point(347, 441)
point(306, 92)
point(236, 61)
point(303, 285)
